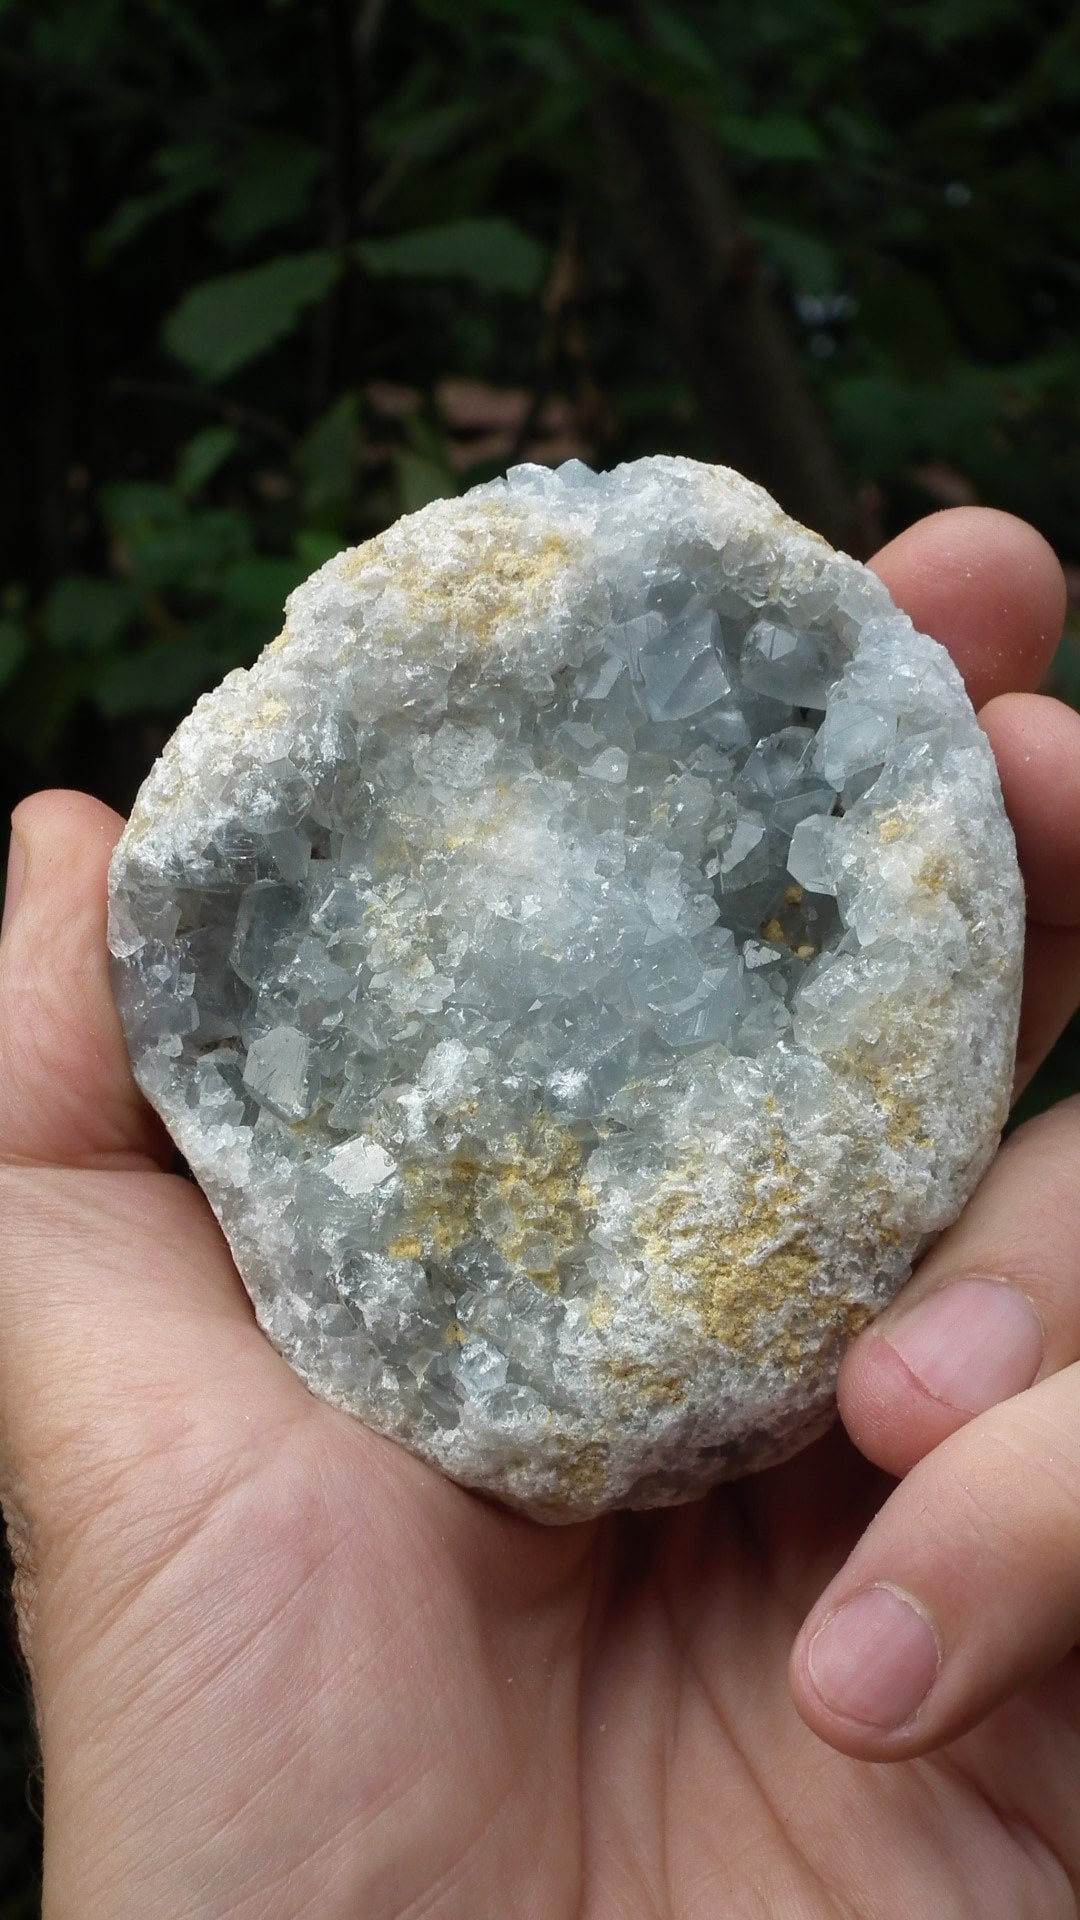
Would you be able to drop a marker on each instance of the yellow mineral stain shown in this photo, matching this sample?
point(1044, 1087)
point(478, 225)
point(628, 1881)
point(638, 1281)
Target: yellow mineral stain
point(533, 1197)
point(777, 934)
point(269, 711)
point(582, 1468)
point(753, 1281)
point(933, 876)
point(496, 568)
point(394, 856)
point(644, 1383)
point(408, 1246)
point(736, 1276)
point(903, 1119)
point(480, 827)
point(856, 1314)
point(890, 1072)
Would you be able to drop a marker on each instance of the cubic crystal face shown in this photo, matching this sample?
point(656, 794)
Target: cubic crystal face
point(580, 962)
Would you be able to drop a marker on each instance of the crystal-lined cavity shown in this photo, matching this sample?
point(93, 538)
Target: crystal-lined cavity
point(579, 961)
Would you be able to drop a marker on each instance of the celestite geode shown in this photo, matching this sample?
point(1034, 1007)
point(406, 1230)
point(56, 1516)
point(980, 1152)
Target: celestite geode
point(580, 963)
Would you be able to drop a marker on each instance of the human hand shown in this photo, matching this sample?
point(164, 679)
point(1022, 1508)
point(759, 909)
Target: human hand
point(282, 1669)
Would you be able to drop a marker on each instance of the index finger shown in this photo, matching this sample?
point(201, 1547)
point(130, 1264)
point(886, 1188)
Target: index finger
point(992, 591)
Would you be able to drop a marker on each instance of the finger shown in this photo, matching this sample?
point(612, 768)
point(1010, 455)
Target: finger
point(1036, 743)
point(994, 1307)
point(1050, 995)
point(988, 587)
point(67, 1096)
point(965, 1587)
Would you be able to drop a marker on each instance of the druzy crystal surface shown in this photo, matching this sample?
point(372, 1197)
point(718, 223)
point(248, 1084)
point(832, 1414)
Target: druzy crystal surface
point(580, 963)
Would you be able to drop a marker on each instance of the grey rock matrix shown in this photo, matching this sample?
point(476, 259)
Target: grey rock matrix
point(580, 962)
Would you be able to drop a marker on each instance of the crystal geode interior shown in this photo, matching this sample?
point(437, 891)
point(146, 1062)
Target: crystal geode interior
point(580, 963)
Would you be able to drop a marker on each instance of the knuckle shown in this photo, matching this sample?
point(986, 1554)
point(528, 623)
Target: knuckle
point(1002, 1490)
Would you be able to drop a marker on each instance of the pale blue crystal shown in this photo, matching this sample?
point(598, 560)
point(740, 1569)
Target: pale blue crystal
point(681, 668)
point(278, 1072)
point(789, 663)
point(854, 739)
point(814, 859)
point(610, 765)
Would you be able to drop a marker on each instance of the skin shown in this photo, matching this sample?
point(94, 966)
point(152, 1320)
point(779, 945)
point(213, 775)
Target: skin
point(282, 1670)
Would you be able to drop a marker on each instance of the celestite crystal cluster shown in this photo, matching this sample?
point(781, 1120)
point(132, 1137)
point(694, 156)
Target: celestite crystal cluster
point(580, 963)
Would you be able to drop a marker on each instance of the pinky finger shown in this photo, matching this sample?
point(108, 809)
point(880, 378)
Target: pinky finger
point(1051, 996)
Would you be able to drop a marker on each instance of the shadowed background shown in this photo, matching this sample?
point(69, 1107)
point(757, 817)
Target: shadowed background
point(276, 274)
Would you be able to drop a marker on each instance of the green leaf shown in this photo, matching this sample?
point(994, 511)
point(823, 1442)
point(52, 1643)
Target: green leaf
point(884, 422)
point(38, 706)
point(903, 313)
point(420, 480)
point(224, 324)
point(14, 647)
point(259, 586)
point(193, 554)
point(87, 615)
point(131, 505)
point(494, 255)
point(163, 677)
point(202, 46)
point(202, 456)
point(75, 34)
point(314, 548)
point(132, 217)
point(419, 134)
point(188, 172)
point(771, 136)
point(326, 458)
point(808, 262)
point(675, 34)
point(267, 185)
point(945, 22)
point(166, 544)
point(606, 40)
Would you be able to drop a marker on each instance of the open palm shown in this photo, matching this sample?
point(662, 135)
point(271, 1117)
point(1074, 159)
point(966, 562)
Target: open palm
point(283, 1669)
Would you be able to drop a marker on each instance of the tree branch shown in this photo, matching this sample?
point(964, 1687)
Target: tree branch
point(338, 316)
point(683, 232)
point(205, 401)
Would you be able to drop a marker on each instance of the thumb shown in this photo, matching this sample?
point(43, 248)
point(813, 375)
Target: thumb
point(67, 1096)
point(124, 1330)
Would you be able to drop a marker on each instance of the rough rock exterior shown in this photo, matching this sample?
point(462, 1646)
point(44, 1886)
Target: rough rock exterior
point(580, 963)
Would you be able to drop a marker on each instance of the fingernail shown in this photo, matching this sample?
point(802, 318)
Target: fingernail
point(970, 1344)
point(16, 866)
point(875, 1660)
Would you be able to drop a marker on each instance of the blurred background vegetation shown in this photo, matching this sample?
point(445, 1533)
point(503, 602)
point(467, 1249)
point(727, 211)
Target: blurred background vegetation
point(275, 273)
